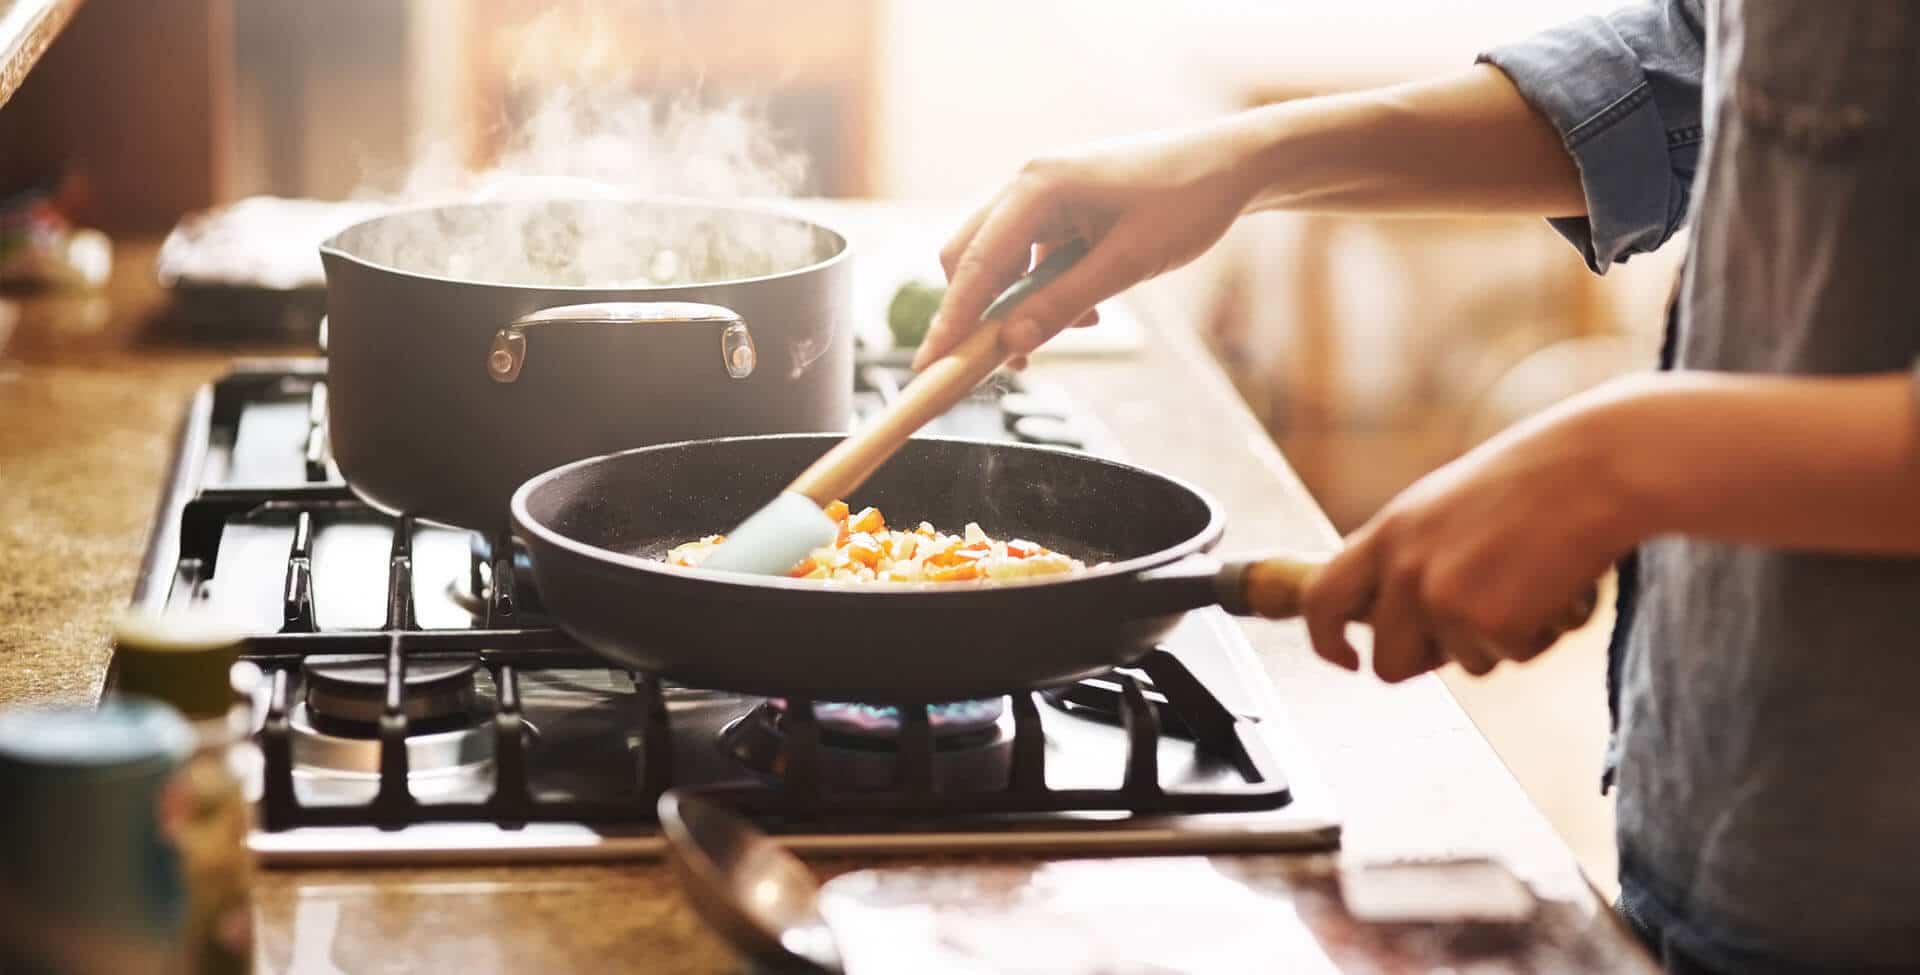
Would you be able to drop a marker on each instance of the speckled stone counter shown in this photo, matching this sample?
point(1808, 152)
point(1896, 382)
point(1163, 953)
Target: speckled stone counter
point(88, 408)
point(87, 415)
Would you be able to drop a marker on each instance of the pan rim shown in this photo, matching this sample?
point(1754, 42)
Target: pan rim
point(1197, 544)
point(333, 247)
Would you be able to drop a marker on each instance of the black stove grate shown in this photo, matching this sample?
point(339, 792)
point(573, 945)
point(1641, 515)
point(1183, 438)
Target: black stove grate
point(1160, 696)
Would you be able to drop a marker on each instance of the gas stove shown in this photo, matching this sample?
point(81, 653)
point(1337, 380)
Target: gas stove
point(416, 705)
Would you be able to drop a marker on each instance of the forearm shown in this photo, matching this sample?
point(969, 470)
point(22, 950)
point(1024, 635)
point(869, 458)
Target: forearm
point(1463, 144)
point(1818, 464)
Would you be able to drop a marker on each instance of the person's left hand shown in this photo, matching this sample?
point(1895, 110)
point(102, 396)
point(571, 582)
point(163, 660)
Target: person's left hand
point(1489, 558)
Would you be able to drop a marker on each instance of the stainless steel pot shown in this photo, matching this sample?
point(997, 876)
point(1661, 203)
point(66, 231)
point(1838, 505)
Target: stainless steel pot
point(473, 346)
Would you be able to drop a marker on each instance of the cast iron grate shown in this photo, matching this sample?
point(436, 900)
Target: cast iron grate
point(1160, 697)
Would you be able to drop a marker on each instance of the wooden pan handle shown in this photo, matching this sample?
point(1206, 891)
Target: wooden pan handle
point(1275, 587)
point(1272, 587)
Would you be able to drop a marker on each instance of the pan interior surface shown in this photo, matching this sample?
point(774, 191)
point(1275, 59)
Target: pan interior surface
point(644, 503)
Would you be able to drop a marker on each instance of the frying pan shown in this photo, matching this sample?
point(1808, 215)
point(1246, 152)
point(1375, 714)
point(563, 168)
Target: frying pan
point(596, 530)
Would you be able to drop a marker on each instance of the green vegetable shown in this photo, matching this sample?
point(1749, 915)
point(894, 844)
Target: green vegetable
point(911, 312)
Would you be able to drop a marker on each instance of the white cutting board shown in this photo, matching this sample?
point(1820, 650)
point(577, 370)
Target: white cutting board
point(1086, 917)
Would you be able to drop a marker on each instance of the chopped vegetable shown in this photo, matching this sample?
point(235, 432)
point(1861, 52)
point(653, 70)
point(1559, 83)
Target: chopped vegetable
point(868, 520)
point(866, 551)
point(957, 573)
point(863, 549)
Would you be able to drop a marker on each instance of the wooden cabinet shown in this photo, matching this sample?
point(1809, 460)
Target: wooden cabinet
point(133, 106)
point(27, 30)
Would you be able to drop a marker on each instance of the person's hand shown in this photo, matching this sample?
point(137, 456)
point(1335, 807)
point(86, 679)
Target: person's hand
point(1145, 205)
point(1491, 557)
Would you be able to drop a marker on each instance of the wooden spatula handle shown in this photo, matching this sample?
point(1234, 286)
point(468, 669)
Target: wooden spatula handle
point(933, 392)
point(948, 380)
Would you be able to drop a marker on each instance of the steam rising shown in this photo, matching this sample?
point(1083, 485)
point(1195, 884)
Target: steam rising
point(552, 213)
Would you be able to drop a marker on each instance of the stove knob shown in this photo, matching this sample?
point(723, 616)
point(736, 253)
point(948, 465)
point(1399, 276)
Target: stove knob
point(1048, 430)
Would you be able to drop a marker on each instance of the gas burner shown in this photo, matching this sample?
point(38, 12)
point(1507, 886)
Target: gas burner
point(880, 723)
point(337, 770)
point(347, 694)
point(860, 744)
point(458, 751)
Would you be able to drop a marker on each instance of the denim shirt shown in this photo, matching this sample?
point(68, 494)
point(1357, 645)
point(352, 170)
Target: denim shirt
point(1766, 746)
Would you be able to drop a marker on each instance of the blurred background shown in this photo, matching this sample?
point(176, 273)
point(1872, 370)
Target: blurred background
point(1373, 350)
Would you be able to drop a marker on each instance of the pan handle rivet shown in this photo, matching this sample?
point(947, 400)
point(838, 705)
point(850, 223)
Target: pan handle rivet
point(737, 352)
point(507, 356)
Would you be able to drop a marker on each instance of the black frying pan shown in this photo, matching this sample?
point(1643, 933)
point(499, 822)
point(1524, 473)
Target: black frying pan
point(596, 529)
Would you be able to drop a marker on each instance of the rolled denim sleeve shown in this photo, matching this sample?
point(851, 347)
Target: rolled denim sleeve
point(1624, 92)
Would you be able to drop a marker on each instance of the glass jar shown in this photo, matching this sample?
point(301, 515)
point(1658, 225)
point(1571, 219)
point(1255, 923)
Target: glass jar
point(205, 809)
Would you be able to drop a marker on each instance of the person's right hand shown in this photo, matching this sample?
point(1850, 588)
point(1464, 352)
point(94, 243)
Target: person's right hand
point(1146, 205)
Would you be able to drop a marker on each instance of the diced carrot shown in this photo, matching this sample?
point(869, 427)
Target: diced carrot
point(837, 511)
point(956, 573)
point(868, 520)
point(941, 555)
point(957, 556)
point(862, 548)
point(1020, 548)
point(926, 530)
point(978, 546)
point(804, 569)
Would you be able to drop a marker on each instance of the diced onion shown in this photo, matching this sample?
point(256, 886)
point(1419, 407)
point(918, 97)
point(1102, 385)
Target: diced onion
point(918, 556)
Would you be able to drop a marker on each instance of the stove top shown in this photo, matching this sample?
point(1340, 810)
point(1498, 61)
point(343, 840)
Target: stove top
point(418, 706)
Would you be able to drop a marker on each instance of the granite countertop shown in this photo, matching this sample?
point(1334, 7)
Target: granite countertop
point(89, 402)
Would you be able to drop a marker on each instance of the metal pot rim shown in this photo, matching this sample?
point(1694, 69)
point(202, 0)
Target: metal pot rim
point(332, 246)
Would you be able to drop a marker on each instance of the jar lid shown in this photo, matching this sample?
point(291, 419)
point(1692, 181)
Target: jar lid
point(185, 660)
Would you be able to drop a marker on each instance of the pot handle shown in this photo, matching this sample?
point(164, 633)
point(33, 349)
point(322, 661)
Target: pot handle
point(737, 354)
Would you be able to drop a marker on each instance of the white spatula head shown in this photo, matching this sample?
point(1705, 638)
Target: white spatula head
point(775, 538)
